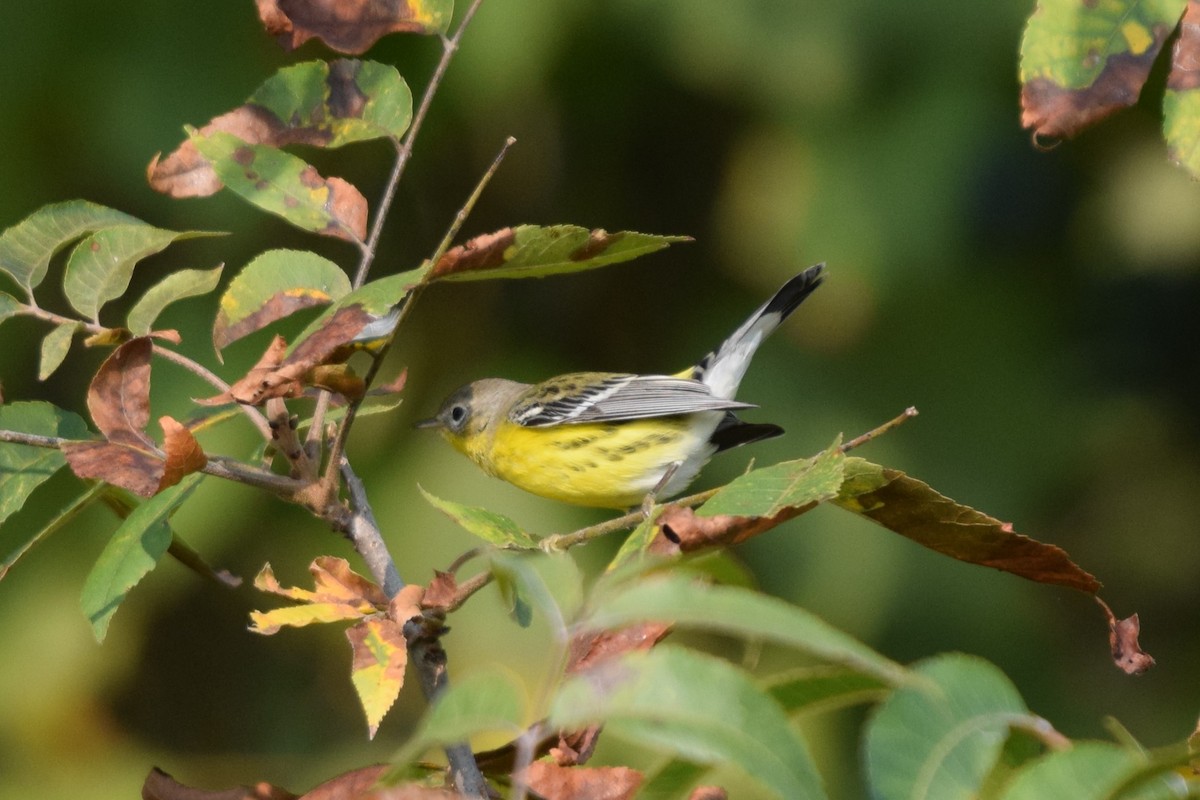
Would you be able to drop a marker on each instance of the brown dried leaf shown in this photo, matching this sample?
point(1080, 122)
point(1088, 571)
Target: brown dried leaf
point(553, 782)
point(278, 376)
point(482, 252)
point(122, 465)
point(407, 603)
point(1127, 652)
point(338, 593)
point(119, 396)
point(348, 26)
point(161, 786)
point(184, 455)
point(337, 378)
point(588, 649)
point(442, 591)
point(680, 530)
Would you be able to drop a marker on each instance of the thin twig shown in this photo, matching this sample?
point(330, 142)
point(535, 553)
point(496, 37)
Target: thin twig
point(562, 541)
point(199, 370)
point(405, 148)
point(467, 207)
point(895, 422)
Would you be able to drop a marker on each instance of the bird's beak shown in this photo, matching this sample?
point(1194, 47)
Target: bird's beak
point(432, 422)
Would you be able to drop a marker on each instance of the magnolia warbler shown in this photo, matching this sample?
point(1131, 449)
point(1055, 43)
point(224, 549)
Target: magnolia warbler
point(613, 440)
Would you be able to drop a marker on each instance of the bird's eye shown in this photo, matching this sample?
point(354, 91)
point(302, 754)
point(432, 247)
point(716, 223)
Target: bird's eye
point(458, 414)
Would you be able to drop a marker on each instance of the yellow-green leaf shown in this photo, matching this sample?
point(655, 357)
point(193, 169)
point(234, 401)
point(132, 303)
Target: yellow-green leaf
point(27, 247)
point(380, 654)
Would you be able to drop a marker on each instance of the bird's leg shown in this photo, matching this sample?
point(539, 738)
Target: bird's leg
point(648, 502)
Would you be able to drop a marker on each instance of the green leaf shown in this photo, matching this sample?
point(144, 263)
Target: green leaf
point(673, 781)
point(61, 519)
point(824, 688)
point(915, 510)
point(9, 306)
point(495, 529)
point(176, 286)
point(697, 707)
point(101, 265)
point(521, 582)
point(534, 251)
point(331, 104)
point(1181, 127)
point(134, 550)
point(943, 741)
point(738, 612)
point(24, 467)
point(479, 703)
point(637, 542)
point(791, 484)
point(273, 285)
point(286, 186)
point(1093, 771)
point(55, 347)
point(27, 247)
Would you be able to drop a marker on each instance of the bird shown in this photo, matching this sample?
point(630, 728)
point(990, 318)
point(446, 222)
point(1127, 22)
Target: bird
point(617, 440)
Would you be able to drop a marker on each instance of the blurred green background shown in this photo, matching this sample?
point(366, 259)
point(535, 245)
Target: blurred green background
point(1039, 308)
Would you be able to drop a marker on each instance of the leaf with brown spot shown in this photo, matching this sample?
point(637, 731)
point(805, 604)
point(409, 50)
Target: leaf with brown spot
point(267, 363)
point(535, 251)
point(351, 26)
point(1181, 102)
point(273, 285)
point(554, 782)
point(286, 186)
point(380, 654)
point(119, 395)
point(914, 510)
point(184, 455)
point(317, 103)
point(1080, 62)
point(708, 793)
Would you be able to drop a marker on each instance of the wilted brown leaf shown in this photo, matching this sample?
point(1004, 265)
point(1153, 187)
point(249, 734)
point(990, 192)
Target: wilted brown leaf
point(348, 26)
point(126, 466)
point(481, 252)
point(277, 375)
point(913, 509)
point(338, 593)
point(442, 591)
point(119, 395)
point(1127, 652)
point(553, 782)
point(184, 455)
point(588, 649)
point(161, 786)
point(337, 378)
point(681, 530)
